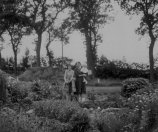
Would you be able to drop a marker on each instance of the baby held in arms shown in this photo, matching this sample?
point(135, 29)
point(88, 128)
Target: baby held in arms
point(84, 70)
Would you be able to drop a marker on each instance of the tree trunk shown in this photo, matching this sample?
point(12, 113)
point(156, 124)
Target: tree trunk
point(0, 60)
point(89, 54)
point(38, 49)
point(151, 60)
point(49, 55)
point(15, 63)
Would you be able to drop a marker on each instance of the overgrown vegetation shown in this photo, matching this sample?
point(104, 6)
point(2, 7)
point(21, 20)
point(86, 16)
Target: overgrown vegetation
point(121, 69)
point(39, 106)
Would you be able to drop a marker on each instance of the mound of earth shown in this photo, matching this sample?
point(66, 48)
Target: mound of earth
point(42, 73)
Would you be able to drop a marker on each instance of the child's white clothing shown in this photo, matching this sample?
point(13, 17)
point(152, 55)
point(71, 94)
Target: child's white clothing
point(84, 70)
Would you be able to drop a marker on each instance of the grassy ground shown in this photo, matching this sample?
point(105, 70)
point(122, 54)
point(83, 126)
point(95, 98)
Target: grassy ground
point(109, 89)
point(105, 82)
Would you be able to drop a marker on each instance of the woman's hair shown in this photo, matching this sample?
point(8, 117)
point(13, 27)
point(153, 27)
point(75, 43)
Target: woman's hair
point(77, 63)
point(69, 65)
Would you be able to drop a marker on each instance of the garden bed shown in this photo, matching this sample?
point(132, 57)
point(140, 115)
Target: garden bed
point(39, 106)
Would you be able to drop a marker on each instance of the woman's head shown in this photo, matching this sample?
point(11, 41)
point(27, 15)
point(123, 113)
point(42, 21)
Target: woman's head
point(78, 64)
point(69, 66)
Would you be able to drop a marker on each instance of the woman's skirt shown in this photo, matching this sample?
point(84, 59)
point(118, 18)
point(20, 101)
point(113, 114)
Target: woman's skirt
point(80, 86)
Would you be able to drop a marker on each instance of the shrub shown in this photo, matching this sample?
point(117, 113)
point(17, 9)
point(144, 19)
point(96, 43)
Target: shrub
point(18, 91)
point(146, 105)
point(107, 122)
point(56, 109)
point(64, 116)
point(80, 122)
point(18, 123)
point(131, 85)
point(44, 90)
point(13, 122)
point(91, 95)
point(52, 125)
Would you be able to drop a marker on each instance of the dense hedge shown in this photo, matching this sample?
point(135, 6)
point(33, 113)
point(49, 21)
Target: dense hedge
point(131, 85)
point(121, 73)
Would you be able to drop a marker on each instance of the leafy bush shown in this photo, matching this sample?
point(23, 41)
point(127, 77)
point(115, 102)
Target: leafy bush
point(91, 95)
point(18, 123)
point(45, 90)
point(131, 85)
point(42, 73)
point(80, 122)
point(107, 122)
point(18, 91)
point(146, 105)
point(56, 109)
point(119, 69)
point(10, 121)
point(33, 91)
point(68, 115)
point(52, 125)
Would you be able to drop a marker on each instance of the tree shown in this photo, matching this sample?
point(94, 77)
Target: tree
point(16, 34)
point(4, 13)
point(57, 33)
point(51, 38)
point(11, 11)
point(61, 62)
point(40, 15)
point(44, 62)
point(1, 48)
point(148, 11)
point(12, 20)
point(88, 16)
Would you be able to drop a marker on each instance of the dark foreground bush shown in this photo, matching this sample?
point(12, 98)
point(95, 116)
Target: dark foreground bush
point(56, 109)
point(80, 122)
point(131, 85)
point(10, 122)
point(145, 103)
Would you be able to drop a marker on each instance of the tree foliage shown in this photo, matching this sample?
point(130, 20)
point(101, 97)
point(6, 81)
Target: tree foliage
point(24, 61)
point(148, 10)
point(57, 33)
point(40, 15)
point(120, 69)
point(88, 16)
point(11, 12)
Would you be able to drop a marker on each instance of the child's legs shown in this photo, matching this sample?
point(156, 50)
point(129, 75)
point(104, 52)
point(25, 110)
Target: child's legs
point(83, 91)
point(70, 87)
point(73, 83)
point(68, 91)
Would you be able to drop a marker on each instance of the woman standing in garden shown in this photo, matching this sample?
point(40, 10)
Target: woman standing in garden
point(69, 82)
point(79, 82)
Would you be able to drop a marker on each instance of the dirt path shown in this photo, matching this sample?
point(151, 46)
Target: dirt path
point(104, 89)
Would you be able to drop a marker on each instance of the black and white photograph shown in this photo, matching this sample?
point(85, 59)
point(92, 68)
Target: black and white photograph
point(78, 66)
